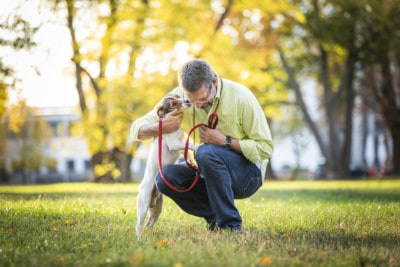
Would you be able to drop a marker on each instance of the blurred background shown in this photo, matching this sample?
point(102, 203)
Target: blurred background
point(75, 74)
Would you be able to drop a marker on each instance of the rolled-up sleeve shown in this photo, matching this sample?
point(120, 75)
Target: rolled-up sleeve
point(256, 150)
point(150, 117)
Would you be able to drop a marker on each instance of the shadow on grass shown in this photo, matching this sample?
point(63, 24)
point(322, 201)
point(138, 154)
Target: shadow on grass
point(328, 195)
point(370, 248)
point(64, 195)
point(302, 195)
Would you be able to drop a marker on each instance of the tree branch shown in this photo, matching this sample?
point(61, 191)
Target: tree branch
point(223, 16)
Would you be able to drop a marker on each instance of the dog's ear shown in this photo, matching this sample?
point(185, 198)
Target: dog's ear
point(161, 111)
point(175, 103)
point(169, 103)
point(164, 107)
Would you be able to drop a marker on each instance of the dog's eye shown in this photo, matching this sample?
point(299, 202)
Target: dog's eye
point(175, 104)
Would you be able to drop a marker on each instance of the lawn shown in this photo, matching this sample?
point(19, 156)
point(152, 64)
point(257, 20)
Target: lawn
point(301, 223)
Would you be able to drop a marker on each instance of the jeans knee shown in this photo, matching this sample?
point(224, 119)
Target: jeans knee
point(205, 152)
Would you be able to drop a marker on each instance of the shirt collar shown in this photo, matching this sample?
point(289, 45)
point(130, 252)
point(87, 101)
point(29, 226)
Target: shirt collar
point(219, 87)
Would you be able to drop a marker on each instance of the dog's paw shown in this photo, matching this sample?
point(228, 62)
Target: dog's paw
point(193, 163)
point(138, 230)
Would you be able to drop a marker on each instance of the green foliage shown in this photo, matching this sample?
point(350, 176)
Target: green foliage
point(285, 224)
point(3, 97)
point(141, 44)
point(15, 34)
point(22, 33)
point(138, 48)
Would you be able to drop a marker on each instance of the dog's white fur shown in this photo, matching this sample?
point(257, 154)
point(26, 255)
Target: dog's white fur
point(149, 198)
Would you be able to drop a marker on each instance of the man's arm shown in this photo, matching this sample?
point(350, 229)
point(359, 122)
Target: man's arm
point(171, 123)
point(217, 137)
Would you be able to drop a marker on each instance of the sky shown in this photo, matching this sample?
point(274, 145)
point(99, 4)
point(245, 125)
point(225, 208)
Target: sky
point(45, 72)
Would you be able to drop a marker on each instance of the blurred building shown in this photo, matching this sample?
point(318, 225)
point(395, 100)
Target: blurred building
point(67, 155)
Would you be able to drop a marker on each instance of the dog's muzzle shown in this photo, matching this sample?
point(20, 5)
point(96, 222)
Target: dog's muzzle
point(186, 103)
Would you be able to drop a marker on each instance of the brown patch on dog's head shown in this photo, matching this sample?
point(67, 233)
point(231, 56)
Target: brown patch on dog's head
point(169, 103)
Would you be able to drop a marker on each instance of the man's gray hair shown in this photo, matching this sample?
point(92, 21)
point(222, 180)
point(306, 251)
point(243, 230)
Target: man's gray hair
point(195, 74)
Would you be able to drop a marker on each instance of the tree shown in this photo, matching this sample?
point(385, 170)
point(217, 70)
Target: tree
point(15, 34)
point(331, 42)
point(125, 29)
point(138, 46)
point(330, 56)
point(318, 40)
point(381, 67)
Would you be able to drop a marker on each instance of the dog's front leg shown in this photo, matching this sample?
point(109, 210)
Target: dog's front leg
point(155, 207)
point(146, 188)
point(143, 204)
point(177, 145)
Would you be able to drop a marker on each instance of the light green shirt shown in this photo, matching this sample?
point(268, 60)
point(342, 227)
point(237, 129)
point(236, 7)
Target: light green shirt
point(239, 115)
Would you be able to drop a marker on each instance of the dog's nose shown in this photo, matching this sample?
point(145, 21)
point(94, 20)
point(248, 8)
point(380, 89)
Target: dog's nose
point(186, 103)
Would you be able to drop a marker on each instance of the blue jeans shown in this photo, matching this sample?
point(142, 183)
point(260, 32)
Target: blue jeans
point(226, 175)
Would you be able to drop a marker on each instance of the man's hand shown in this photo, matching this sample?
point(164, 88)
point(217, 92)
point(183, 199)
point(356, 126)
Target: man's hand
point(212, 136)
point(172, 121)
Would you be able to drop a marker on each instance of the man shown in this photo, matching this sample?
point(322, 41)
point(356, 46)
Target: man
point(232, 158)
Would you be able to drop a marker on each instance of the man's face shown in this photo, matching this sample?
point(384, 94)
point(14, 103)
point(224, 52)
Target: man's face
point(202, 98)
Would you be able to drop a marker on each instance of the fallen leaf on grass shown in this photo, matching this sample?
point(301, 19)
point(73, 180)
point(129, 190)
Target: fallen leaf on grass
point(161, 244)
point(288, 235)
point(138, 257)
point(265, 260)
point(11, 231)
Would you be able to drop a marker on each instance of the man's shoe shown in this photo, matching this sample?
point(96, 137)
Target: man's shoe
point(236, 229)
point(212, 225)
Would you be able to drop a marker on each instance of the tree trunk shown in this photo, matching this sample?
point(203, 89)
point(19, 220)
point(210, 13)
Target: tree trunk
point(331, 99)
point(387, 99)
point(348, 78)
point(364, 133)
point(108, 166)
point(395, 163)
point(76, 54)
point(126, 167)
point(300, 101)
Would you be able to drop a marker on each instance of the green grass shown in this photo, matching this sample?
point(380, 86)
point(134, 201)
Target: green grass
point(335, 223)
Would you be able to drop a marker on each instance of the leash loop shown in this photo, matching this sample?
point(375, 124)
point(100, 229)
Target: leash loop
point(160, 164)
point(212, 123)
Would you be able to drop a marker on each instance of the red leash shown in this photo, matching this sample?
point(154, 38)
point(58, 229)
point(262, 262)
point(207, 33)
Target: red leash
point(212, 123)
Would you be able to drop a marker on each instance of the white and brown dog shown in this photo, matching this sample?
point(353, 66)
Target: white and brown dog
point(149, 199)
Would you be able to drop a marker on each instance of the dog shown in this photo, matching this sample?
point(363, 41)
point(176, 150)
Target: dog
point(149, 199)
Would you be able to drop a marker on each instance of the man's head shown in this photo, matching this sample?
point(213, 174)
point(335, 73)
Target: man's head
point(198, 82)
